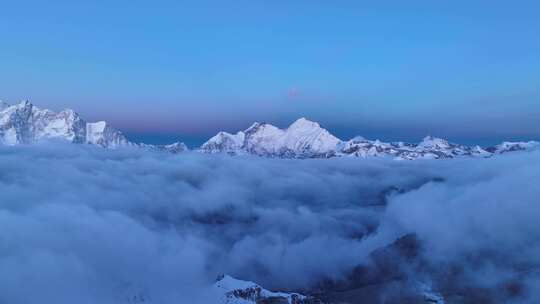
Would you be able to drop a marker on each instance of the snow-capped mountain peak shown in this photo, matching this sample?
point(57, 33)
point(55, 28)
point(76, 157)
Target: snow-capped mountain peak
point(176, 147)
point(262, 139)
point(24, 123)
point(508, 146)
point(303, 138)
point(244, 292)
point(21, 104)
point(254, 126)
point(306, 136)
point(303, 123)
point(307, 139)
point(101, 134)
point(263, 129)
point(434, 142)
point(224, 142)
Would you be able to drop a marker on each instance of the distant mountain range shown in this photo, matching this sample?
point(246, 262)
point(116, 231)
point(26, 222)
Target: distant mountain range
point(25, 123)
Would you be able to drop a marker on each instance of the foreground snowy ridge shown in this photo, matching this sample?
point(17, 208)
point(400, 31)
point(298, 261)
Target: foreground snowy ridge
point(245, 292)
point(25, 123)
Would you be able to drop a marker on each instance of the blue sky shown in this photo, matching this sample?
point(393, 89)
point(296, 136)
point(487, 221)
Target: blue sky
point(466, 70)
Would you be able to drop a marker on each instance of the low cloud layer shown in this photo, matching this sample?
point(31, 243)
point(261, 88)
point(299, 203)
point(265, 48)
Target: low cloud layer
point(85, 225)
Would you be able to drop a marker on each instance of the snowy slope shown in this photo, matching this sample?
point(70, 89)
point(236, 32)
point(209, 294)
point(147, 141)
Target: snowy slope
point(306, 139)
point(429, 148)
point(101, 134)
point(174, 148)
point(303, 138)
point(245, 292)
point(224, 142)
point(506, 146)
point(24, 123)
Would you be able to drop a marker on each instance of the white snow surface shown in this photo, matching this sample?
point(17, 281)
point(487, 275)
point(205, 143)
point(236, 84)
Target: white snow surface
point(99, 133)
point(24, 123)
point(508, 146)
point(307, 139)
point(303, 138)
point(224, 142)
point(245, 292)
point(430, 296)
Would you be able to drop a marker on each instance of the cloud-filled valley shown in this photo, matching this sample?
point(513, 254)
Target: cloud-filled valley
point(80, 224)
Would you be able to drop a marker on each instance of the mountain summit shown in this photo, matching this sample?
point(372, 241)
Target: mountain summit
point(24, 123)
point(307, 139)
point(303, 138)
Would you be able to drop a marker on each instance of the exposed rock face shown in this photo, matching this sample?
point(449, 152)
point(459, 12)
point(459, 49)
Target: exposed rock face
point(302, 139)
point(237, 291)
point(513, 146)
point(382, 281)
point(399, 273)
point(224, 142)
point(306, 139)
point(99, 133)
point(429, 148)
point(25, 123)
point(177, 147)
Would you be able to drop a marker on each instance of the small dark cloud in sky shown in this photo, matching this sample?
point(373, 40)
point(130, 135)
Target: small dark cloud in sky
point(293, 93)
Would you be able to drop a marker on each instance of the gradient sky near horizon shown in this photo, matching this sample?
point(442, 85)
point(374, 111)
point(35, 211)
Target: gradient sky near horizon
point(158, 70)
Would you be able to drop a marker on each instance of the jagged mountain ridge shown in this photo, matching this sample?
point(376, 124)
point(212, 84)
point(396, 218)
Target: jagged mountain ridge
point(235, 291)
point(25, 123)
point(307, 139)
point(303, 138)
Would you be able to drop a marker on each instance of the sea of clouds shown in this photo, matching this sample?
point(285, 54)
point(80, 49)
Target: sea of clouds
point(80, 224)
